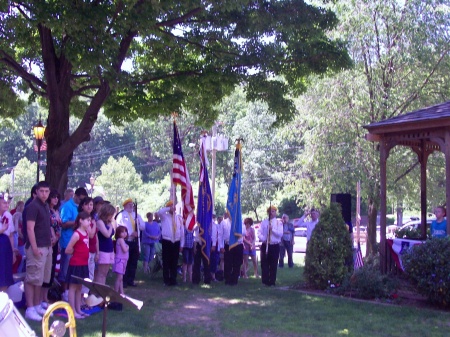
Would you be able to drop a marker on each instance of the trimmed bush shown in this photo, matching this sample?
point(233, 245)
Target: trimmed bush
point(428, 265)
point(408, 233)
point(368, 283)
point(329, 257)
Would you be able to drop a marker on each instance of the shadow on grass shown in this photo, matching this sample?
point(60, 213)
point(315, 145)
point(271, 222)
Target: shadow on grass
point(252, 309)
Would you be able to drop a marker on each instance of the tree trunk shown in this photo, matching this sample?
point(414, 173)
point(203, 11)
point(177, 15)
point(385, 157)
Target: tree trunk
point(256, 215)
point(60, 143)
point(371, 242)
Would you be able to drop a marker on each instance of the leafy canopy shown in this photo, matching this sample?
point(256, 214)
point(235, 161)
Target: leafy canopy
point(159, 56)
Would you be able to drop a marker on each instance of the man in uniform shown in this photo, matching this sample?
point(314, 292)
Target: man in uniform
point(134, 223)
point(224, 245)
point(270, 233)
point(172, 233)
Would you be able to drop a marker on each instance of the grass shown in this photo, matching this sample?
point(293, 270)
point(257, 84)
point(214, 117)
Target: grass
point(251, 309)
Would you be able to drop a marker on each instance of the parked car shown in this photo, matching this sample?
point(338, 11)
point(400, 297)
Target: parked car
point(415, 224)
point(408, 219)
point(300, 240)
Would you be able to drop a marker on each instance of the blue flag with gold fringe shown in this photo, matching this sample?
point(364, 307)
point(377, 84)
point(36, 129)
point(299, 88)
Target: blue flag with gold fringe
point(234, 198)
point(204, 204)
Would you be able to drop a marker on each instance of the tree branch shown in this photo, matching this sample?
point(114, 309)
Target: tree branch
point(20, 71)
point(411, 98)
point(412, 167)
point(82, 132)
point(85, 88)
point(173, 22)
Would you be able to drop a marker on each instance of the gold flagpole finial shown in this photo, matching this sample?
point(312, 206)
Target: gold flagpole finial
point(238, 142)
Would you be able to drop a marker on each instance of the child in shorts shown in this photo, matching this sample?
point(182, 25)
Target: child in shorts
point(121, 257)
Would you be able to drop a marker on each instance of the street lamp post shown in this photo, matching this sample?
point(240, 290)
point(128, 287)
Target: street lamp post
point(92, 183)
point(38, 131)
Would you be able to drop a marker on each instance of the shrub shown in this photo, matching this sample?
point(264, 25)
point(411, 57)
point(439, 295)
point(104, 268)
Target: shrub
point(368, 283)
point(408, 233)
point(428, 265)
point(329, 256)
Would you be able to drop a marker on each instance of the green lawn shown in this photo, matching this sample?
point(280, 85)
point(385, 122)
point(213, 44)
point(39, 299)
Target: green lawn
point(251, 309)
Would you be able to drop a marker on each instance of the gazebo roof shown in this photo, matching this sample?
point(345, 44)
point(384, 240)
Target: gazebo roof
point(432, 117)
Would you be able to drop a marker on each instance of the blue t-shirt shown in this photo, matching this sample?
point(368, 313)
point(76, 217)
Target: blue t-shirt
point(69, 212)
point(151, 229)
point(439, 229)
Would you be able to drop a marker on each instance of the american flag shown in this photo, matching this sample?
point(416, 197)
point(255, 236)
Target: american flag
point(43, 146)
point(180, 176)
point(359, 262)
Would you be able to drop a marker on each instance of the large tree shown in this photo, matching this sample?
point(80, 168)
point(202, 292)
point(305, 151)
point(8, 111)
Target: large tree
point(401, 64)
point(73, 55)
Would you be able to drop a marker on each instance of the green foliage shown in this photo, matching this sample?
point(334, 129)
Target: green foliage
point(20, 180)
point(146, 60)
point(119, 180)
point(153, 196)
point(17, 137)
point(408, 233)
point(329, 257)
point(400, 65)
point(368, 283)
point(289, 206)
point(428, 265)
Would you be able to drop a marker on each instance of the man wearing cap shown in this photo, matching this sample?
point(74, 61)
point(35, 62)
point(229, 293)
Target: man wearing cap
point(172, 233)
point(69, 212)
point(134, 223)
point(270, 233)
point(310, 225)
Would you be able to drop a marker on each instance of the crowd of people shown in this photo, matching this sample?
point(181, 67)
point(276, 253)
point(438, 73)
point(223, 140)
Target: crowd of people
point(92, 238)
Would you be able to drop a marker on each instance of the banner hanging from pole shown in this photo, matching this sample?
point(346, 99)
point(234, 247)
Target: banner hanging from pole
point(180, 176)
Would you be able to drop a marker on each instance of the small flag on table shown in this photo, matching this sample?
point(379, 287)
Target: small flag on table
point(359, 262)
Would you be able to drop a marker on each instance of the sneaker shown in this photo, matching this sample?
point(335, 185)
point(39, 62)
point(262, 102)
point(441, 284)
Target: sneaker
point(93, 300)
point(40, 310)
point(31, 313)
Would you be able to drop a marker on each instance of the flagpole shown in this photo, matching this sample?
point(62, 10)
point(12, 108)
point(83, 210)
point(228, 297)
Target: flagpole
point(268, 228)
point(358, 206)
point(173, 188)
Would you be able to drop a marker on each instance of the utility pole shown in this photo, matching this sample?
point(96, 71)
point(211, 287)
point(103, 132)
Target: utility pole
point(215, 143)
point(213, 165)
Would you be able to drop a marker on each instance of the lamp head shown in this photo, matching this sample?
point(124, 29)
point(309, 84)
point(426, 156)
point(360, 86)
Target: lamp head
point(38, 131)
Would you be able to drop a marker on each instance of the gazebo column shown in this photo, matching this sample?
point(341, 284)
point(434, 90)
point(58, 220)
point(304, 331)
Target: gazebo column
point(423, 158)
point(384, 254)
point(446, 151)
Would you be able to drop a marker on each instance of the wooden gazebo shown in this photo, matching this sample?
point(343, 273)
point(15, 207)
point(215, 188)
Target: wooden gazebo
point(424, 131)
